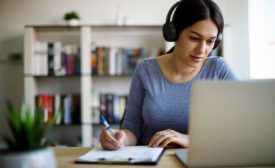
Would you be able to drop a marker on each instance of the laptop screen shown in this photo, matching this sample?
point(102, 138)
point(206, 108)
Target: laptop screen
point(232, 123)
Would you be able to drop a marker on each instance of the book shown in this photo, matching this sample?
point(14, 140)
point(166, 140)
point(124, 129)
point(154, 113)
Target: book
point(57, 108)
point(50, 58)
point(76, 109)
point(125, 155)
point(110, 107)
point(57, 60)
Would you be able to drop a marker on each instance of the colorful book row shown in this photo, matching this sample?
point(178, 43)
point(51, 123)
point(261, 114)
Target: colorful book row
point(53, 58)
point(116, 61)
point(67, 107)
point(112, 106)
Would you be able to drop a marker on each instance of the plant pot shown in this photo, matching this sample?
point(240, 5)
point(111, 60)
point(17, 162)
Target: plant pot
point(73, 22)
point(42, 158)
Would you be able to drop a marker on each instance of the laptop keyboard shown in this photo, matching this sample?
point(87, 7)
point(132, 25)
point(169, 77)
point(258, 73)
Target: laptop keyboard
point(182, 156)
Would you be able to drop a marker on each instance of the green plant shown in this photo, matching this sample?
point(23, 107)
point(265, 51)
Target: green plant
point(71, 15)
point(28, 131)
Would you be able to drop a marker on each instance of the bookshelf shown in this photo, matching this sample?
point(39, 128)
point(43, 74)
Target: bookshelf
point(39, 82)
point(42, 78)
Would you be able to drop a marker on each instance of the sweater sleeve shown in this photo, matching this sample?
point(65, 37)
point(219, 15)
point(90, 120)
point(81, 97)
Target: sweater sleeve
point(133, 120)
point(224, 72)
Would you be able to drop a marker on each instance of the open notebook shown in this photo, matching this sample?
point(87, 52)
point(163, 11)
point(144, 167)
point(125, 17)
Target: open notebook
point(125, 155)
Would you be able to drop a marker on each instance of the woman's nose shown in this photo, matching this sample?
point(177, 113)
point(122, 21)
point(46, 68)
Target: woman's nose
point(201, 48)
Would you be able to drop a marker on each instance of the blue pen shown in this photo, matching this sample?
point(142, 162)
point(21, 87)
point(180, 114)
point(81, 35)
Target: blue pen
point(103, 120)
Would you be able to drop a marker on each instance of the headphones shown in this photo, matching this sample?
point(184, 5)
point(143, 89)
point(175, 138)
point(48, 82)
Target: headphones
point(169, 30)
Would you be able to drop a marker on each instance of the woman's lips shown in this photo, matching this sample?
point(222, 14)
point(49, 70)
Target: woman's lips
point(197, 58)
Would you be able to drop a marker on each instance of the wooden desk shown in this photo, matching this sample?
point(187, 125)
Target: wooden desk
point(67, 155)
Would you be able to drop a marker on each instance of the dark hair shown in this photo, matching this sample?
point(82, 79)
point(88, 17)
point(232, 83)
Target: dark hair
point(189, 12)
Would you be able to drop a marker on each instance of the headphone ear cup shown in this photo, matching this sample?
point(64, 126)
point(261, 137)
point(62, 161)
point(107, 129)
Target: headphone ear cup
point(169, 32)
point(218, 40)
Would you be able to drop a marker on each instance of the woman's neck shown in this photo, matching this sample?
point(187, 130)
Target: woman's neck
point(181, 69)
point(175, 70)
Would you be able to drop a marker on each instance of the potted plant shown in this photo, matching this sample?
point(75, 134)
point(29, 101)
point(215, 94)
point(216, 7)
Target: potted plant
point(72, 18)
point(26, 143)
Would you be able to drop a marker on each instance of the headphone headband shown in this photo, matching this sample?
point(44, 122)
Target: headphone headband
point(169, 29)
point(171, 10)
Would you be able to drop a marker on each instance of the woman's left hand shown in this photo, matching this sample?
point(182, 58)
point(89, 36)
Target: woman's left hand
point(163, 138)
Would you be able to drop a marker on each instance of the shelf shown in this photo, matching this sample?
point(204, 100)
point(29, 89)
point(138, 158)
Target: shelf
point(83, 37)
point(71, 125)
point(112, 76)
point(101, 125)
point(78, 76)
point(52, 76)
point(107, 26)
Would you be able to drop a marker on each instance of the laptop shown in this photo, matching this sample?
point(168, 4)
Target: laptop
point(232, 123)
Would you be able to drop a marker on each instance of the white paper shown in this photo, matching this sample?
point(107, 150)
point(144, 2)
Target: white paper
point(132, 153)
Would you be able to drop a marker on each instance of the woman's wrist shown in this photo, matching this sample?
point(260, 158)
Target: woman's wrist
point(130, 138)
point(185, 140)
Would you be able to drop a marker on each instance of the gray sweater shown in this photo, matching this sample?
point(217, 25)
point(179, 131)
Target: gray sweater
point(156, 104)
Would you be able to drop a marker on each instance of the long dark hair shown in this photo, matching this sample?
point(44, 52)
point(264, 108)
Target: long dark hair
point(189, 12)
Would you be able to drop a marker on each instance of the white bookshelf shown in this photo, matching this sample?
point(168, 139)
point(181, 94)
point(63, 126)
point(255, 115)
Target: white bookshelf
point(81, 84)
point(148, 37)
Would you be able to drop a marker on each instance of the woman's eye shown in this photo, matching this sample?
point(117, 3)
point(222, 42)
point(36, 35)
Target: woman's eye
point(194, 38)
point(211, 41)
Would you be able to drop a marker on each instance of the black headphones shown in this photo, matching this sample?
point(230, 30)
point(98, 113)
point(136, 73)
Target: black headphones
point(169, 30)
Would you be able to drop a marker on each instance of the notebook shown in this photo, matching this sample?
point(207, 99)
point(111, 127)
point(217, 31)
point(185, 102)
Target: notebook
point(231, 124)
point(126, 155)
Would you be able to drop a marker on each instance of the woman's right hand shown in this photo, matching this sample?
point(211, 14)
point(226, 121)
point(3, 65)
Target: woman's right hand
point(112, 142)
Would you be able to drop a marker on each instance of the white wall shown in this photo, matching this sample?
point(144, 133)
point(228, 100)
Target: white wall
point(236, 16)
point(11, 76)
point(2, 93)
point(262, 39)
point(15, 14)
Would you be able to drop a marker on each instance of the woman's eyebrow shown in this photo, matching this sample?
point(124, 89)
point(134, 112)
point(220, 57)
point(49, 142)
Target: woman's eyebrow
point(200, 34)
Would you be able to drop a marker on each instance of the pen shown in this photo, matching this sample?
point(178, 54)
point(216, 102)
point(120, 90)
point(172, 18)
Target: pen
point(103, 120)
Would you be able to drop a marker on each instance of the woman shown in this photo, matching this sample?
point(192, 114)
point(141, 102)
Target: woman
point(158, 104)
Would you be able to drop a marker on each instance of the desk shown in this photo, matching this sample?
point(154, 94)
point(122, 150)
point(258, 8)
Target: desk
point(67, 155)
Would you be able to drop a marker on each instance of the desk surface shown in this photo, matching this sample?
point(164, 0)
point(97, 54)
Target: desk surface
point(67, 156)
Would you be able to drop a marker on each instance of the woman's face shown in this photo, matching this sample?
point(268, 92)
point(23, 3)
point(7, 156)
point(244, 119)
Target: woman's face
point(196, 42)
